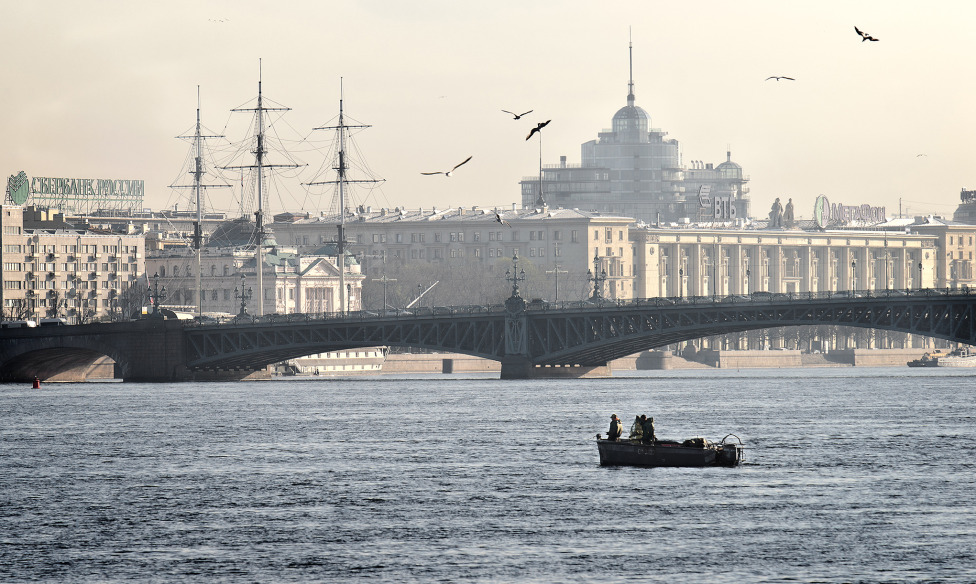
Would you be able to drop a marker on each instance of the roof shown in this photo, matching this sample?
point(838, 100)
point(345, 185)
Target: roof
point(462, 215)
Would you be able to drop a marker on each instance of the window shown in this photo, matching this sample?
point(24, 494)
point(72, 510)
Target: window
point(620, 235)
point(477, 252)
point(477, 236)
point(609, 234)
point(399, 238)
point(491, 252)
point(532, 252)
point(515, 235)
point(556, 235)
point(491, 236)
point(532, 235)
point(542, 252)
point(596, 235)
point(609, 252)
point(360, 238)
point(574, 236)
point(437, 238)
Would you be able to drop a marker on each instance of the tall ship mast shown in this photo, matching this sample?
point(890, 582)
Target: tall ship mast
point(259, 166)
point(342, 182)
point(198, 171)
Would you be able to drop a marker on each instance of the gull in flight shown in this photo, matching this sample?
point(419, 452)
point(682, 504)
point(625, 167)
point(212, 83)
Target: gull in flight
point(450, 172)
point(517, 116)
point(778, 77)
point(538, 128)
point(500, 220)
point(864, 36)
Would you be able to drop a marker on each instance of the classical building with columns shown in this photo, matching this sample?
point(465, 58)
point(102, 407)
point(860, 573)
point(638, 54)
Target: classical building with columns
point(702, 261)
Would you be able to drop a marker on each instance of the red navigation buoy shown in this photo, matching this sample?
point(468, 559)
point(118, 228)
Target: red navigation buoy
point(37, 383)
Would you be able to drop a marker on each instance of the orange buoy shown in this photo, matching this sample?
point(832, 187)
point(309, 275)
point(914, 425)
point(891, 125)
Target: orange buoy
point(37, 383)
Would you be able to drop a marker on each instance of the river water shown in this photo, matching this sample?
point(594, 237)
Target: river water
point(851, 475)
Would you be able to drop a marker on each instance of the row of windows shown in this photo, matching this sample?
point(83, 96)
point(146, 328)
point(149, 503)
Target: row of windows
point(63, 285)
point(457, 237)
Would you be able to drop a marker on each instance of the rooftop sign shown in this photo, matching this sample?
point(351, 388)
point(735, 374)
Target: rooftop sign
point(825, 213)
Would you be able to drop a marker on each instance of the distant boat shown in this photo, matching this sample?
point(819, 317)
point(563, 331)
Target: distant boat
point(695, 452)
point(963, 357)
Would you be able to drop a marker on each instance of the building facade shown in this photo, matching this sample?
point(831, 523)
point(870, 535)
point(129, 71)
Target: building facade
point(52, 269)
point(293, 282)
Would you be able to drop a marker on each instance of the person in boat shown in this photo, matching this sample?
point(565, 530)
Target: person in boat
point(616, 428)
point(637, 430)
point(647, 434)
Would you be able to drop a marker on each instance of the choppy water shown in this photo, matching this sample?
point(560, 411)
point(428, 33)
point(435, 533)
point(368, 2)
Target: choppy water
point(851, 475)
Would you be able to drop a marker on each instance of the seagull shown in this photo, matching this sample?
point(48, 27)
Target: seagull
point(538, 128)
point(517, 116)
point(778, 77)
point(864, 36)
point(500, 220)
point(448, 173)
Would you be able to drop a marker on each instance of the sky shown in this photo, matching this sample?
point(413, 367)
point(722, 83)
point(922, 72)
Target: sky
point(103, 89)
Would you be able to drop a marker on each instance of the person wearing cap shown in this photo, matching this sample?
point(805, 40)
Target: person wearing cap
point(616, 428)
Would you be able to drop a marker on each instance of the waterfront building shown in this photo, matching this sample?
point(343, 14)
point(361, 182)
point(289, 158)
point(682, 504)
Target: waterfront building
point(635, 170)
point(294, 282)
point(556, 246)
point(52, 268)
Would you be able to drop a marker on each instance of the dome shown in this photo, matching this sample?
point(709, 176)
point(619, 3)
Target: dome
point(728, 168)
point(236, 233)
point(631, 122)
point(631, 112)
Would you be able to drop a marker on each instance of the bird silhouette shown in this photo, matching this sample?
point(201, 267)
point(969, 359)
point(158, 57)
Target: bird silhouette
point(517, 116)
point(864, 36)
point(538, 128)
point(499, 219)
point(778, 77)
point(450, 172)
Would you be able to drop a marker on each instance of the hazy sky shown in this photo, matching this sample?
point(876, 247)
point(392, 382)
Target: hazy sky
point(101, 90)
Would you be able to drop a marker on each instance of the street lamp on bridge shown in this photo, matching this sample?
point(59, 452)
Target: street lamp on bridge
point(156, 296)
point(596, 276)
point(853, 275)
point(243, 294)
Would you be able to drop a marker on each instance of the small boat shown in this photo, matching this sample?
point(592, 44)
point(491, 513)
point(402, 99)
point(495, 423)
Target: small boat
point(692, 452)
point(963, 357)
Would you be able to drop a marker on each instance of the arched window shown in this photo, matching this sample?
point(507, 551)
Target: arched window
point(176, 271)
point(162, 271)
point(226, 270)
point(213, 270)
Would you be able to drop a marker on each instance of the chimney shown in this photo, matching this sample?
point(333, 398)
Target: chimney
point(562, 161)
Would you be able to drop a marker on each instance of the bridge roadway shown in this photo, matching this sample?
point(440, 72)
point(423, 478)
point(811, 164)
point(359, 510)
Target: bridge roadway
point(571, 339)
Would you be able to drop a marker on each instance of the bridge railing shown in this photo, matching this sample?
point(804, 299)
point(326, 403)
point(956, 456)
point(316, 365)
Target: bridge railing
point(589, 304)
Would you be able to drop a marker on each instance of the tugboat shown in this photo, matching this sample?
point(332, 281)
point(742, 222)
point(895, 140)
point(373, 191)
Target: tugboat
point(694, 452)
point(962, 357)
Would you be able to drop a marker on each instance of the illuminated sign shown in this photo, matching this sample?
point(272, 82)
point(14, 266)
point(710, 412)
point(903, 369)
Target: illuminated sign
point(825, 213)
point(723, 207)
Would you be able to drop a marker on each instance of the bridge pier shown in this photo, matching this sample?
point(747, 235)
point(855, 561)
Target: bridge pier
point(525, 369)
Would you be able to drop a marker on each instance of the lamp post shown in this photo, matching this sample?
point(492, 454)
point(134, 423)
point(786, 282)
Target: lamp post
point(243, 294)
point(681, 282)
point(853, 275)
point(514, 275)
point(156, 296)
point(596, 276)
point(748, 276)
point(919, 275)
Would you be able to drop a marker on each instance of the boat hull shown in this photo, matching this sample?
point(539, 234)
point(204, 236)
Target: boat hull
point(627, 453)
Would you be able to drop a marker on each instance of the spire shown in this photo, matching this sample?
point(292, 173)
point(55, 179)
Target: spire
point(630, 84)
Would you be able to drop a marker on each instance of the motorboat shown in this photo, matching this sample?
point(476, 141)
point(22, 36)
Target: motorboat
point(694, 452)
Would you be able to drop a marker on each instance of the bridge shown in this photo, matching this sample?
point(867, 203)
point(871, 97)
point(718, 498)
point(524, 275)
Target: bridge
point(564, 339)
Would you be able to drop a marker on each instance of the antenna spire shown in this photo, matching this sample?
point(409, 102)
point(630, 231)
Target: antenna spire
point(630, 85)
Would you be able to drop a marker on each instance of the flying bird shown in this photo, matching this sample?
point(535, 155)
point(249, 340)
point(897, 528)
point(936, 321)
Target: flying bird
point(500, 220)
point(538, 128)
point(517, 116)
point(864, 36)
point(450, 172)
point(778, 77)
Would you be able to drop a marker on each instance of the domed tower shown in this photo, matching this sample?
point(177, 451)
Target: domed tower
point(643, 166)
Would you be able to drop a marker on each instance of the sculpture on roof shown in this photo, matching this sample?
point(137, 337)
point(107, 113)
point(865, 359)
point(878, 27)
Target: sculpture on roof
point(788, 220)
point(775, 215)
